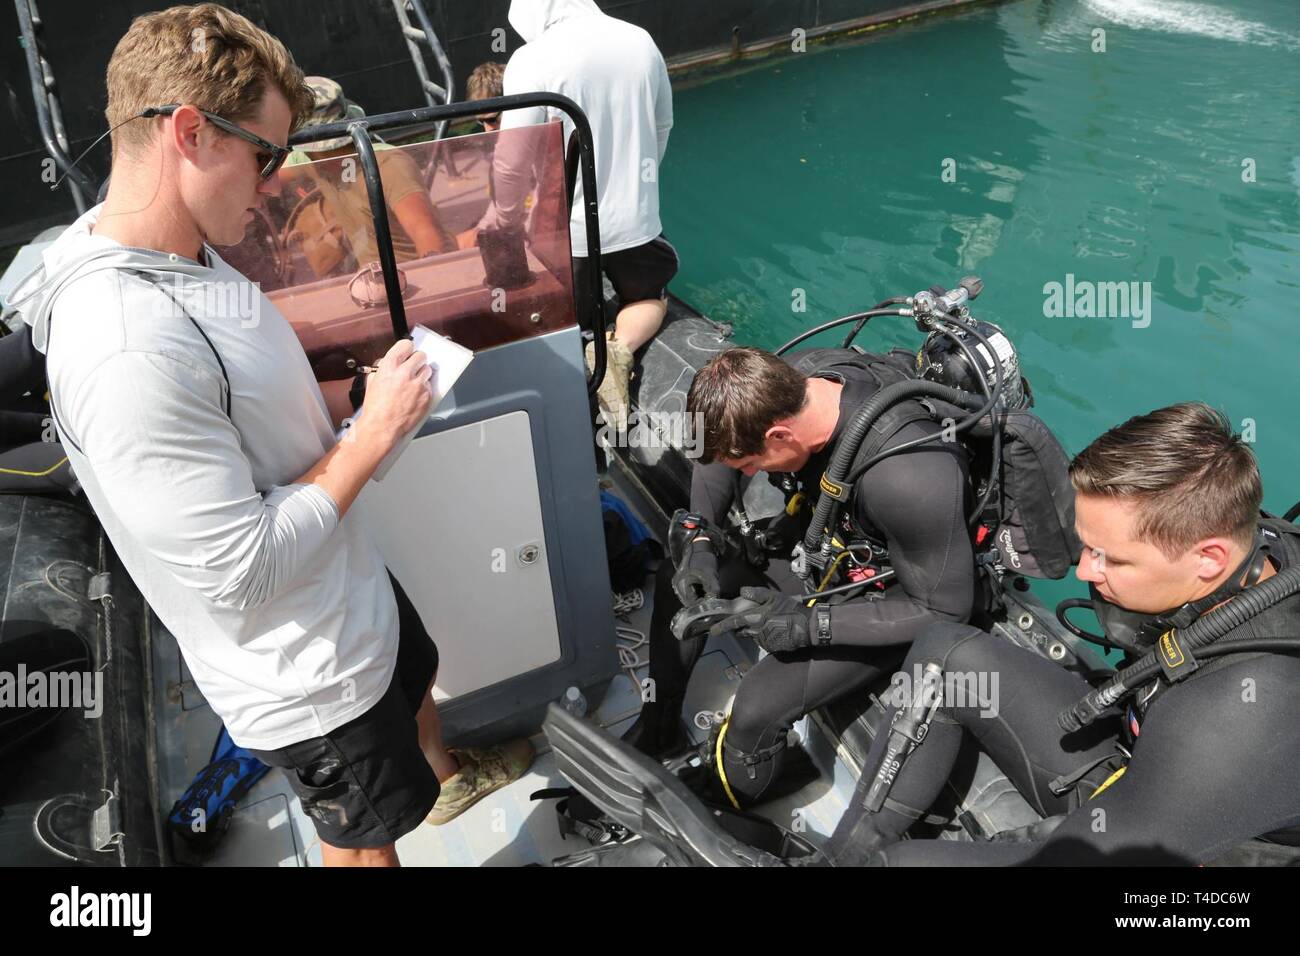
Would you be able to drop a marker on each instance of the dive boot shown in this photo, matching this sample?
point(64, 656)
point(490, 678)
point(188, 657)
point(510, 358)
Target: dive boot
point(797, 771)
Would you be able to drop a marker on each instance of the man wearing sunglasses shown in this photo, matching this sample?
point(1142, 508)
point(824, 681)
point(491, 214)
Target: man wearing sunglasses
point(269, 156)
point(206, 447)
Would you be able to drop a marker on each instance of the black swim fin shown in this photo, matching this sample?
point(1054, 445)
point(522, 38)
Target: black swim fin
point(637, 792)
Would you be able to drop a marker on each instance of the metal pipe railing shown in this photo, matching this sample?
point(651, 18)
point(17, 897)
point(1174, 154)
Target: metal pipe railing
point(48, 115)
point(434, 94)
point(383, 234)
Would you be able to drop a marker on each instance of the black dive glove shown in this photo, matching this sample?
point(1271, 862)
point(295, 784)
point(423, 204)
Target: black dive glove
point(779, 623)
point(698, 577)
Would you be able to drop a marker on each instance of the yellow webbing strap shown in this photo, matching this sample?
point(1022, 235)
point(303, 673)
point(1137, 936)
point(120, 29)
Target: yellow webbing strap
point(1109, 780)
point(722, 771)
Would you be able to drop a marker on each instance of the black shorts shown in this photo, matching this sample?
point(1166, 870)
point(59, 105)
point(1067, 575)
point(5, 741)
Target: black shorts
point(367, 783)
point(640, 273)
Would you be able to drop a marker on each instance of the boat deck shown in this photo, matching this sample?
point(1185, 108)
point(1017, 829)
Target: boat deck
point(505, 828)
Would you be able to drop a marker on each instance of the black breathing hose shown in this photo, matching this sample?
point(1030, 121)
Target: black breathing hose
point(1280, 645)
point(861, 317)
point(990, 401)
point(1209, 627)
point(850, 441)
point(853, 333)
point(1062, 615)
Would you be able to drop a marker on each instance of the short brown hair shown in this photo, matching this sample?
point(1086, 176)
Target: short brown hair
point(741, 393)
point(1190, 477)
point(205, 55)
point(486, 82)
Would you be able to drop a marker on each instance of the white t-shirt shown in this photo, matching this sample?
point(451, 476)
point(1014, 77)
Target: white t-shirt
point(614, 71)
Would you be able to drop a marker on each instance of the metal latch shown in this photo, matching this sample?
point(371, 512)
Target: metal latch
point(106, 823)
point(100, 587)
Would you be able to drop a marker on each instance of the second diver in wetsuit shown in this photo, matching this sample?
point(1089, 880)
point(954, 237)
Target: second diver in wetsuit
point(1200, 754)
point(784, 415)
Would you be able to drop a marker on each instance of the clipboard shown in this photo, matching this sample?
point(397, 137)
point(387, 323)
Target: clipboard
point(448, 361)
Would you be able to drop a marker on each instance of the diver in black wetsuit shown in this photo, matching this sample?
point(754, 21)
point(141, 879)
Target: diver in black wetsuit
point(1168, 510)
point(784, 415)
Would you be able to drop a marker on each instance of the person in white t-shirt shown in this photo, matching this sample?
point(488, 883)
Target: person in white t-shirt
point(616, 74)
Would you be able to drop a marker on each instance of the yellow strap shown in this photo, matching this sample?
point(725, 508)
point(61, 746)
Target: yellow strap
point(34, 474)
point(830, 572)
point(722, 771)
point(795, 504)
point(1109, 780)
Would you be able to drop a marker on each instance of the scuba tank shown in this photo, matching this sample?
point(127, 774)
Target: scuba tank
point(965, 376)
point(958, 360)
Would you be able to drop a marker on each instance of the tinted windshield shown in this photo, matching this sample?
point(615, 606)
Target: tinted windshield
point(314, 253)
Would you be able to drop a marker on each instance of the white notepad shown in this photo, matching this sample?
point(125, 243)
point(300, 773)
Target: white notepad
point(448, 361)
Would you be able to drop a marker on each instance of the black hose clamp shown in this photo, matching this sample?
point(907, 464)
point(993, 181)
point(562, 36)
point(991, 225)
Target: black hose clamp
point(822, 616)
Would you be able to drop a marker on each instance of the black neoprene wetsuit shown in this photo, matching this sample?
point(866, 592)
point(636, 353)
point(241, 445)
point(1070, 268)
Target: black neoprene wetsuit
point(916, 503)
point(1215, 759)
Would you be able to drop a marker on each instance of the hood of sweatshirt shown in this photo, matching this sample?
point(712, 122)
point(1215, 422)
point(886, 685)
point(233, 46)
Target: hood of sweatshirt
point(531, 18)
point(78, 252)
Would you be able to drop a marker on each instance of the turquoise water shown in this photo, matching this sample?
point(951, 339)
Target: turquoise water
point(823, 172)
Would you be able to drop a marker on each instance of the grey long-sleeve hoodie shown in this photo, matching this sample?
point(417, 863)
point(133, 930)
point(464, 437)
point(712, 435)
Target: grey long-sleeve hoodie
point(284, 614)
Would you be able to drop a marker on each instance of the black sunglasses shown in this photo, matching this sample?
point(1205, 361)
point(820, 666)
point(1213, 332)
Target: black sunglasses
point(276, 155)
